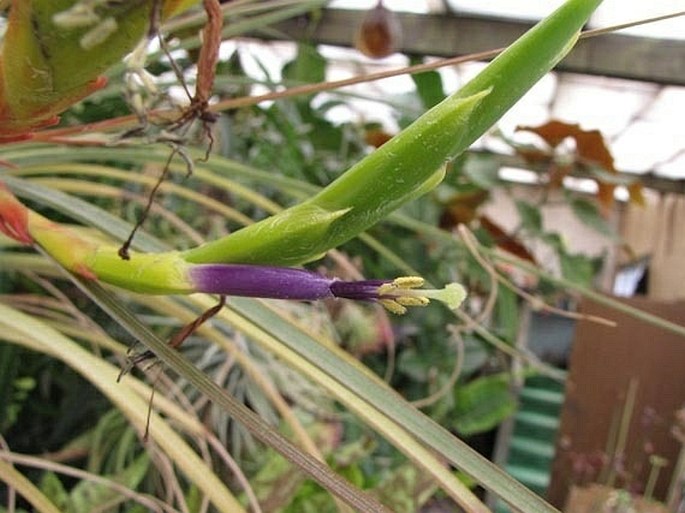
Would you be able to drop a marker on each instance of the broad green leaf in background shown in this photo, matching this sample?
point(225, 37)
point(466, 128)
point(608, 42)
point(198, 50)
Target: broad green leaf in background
point(309, 66)
point(483, 170)
point(483, 404)
point(508, 315)
point(590, 215)
point(578, 268)
point(531, 218)
point(554, 240)
point(428, 86)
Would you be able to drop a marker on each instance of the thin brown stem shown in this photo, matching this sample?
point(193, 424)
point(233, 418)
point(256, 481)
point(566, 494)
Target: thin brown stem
point(448, 386)
point(538, 304)
point(123, 250)
point(57, 135)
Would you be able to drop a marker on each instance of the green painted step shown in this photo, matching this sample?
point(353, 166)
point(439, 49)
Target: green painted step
point(536, 423)
point(551, 398)
point(536, 480)
point(537, 426)
point(541, 449)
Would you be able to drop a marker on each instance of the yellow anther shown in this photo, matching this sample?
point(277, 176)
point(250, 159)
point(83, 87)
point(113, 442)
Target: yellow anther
point(393, 306)
point(386, 288)
point(401, 293)
point(412, 300)
point(408, 282)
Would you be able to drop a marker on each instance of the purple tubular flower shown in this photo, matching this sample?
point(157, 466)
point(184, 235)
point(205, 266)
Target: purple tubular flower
point(260, 281)
point(300, 284)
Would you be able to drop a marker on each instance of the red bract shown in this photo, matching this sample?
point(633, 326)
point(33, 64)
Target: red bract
point(14, 217)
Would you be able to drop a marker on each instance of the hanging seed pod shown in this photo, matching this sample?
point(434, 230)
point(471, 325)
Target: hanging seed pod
point(380, 33)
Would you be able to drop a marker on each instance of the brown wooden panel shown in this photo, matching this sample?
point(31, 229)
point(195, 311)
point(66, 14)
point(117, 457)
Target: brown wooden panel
point(603, 362)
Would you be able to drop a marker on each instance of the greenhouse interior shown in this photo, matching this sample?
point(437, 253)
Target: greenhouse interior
point(291, 256)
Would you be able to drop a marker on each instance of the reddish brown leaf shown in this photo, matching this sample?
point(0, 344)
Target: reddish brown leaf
point(590, 147)
point(462, 209)
point(605, 195)
point(505, 241)
point(376, 137)
point(552, 132)
point(532, 155)
point(590, 144)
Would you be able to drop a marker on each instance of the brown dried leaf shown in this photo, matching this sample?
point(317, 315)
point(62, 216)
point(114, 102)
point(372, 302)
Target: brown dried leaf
point(532, 155)
point(590, 147)
point(590, 144)
point(376, 137)
point(552, 132)
point(462, 209)
point(605, 195)
point(505, 241)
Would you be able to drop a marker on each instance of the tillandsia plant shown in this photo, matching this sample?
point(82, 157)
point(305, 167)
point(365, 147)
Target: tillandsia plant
point(259, 260)
point(403, 169)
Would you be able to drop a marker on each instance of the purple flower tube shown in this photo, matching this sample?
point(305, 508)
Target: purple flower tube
point(260, 281)
point(299, 284)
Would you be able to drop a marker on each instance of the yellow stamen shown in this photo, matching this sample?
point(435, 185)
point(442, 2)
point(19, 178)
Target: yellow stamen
point(393, 306)
point(402, 292)
point(412, 300)
point(409, 282)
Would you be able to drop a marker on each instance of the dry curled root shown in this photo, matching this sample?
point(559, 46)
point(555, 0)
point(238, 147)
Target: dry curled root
point(199, 102)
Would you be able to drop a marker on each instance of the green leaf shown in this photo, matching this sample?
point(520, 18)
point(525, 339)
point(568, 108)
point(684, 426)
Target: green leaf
point(578, 268)
point(399, 171)
point(87, 495)
point(590, 215)
point(482, 404)
point(52, 487)
point(508, 314)
point(194, 498)
point(483, 170)
point(309, 66)
point(406, 490)
point(554, 240)
point(428, 85)
point(413, 364)
point(531, 218)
